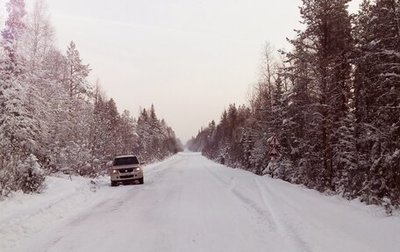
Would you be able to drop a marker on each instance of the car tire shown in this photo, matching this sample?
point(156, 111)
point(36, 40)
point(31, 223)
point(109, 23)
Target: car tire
point(141, 181)
point(113, 183)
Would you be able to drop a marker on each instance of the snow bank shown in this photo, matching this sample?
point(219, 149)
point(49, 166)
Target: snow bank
point(22, 215)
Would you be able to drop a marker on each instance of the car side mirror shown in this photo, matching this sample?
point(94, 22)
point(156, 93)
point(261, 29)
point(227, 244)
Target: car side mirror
point(109, 164)
point(143, 162)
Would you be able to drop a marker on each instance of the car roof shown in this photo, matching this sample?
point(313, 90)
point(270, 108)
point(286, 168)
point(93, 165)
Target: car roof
point(124, 156)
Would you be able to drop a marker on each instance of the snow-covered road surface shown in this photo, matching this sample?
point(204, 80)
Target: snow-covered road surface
point(189, 203)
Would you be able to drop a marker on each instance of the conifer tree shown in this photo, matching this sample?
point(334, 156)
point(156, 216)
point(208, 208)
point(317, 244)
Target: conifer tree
point(377, 90)
point(326, 46)
point(19, 130)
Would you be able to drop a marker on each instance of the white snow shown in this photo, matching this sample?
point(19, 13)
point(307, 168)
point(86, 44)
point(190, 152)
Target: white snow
point(189, 203)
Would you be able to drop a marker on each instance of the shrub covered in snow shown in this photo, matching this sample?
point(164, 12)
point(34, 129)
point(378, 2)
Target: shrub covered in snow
point(21, 173)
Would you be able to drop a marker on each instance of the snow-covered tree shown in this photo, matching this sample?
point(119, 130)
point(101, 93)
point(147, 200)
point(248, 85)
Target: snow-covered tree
point(377, 76)
point(155, 139)
point(76, 72)
point(11, 37)
point(19, 129)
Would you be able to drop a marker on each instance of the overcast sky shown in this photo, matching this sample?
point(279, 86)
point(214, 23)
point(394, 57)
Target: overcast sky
point(191, 59)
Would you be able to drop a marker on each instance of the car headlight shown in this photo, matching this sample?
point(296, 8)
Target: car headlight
point(114, 171)
point(138, 169)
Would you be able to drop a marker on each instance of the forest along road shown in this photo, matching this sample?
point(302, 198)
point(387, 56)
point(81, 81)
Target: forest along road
point(189, 203)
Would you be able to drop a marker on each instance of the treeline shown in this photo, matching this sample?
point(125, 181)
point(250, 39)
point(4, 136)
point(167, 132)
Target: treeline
point(51, 118)
point(330, 109)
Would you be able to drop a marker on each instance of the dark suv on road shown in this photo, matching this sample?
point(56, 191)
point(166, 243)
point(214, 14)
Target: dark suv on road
point(126, 169)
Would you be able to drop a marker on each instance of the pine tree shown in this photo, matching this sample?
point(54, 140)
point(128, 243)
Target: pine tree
point(72, 150)
point(11, 35)
point(155, 139)
point(19, 130)
point(77, 72)
point(299, 126)
point(325, 45)
point(377, 99)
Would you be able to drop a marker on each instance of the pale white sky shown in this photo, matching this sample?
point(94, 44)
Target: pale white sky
point(190, 58)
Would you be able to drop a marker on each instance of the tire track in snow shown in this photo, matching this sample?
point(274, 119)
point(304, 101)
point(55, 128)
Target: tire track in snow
point(288, 229)
point(264, 215)
point(160, 170)
point(265, 212)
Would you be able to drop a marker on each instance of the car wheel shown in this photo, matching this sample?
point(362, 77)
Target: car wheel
point(113, 183)
point(141, 181)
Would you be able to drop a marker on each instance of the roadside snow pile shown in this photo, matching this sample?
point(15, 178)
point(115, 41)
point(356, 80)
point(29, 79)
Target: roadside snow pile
point(24, 214)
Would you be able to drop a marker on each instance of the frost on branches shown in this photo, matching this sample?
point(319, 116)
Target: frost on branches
point(19, 129)
point(52, 119)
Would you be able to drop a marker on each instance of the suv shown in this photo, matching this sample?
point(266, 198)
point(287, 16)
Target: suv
point(126, 169)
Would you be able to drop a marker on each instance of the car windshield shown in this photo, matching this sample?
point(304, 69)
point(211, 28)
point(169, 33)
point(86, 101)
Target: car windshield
point(125, 161)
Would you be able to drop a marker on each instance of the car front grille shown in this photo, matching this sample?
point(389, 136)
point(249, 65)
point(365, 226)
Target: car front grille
point(126, 170)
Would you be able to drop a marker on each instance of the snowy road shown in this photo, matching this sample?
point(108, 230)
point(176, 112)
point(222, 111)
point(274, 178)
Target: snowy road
point(189, 203)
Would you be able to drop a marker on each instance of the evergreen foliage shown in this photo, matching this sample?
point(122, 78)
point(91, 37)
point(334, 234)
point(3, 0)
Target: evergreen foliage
point(333, 105)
